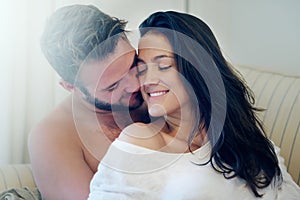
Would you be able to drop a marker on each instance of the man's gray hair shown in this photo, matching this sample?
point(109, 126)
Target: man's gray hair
point(72, 32)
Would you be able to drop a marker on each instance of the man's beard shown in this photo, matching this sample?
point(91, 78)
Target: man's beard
point(116, 107)
point(101, 105)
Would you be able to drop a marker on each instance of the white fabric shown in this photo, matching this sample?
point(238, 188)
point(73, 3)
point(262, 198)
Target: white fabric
point(132, 172)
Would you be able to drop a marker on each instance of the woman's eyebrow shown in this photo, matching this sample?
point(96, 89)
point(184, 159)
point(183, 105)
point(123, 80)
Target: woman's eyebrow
point(161, 56)
point(155, 58)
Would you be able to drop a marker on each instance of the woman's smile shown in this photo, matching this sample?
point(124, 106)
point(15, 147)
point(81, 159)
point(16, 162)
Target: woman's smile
point(157, 93)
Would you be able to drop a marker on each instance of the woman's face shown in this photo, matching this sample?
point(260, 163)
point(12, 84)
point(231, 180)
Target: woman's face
point(161, 84)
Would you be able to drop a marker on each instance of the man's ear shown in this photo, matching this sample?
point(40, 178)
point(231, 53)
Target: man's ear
point(67, 85)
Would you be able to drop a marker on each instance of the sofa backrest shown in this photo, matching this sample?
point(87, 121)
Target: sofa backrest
point(16, 176)
point(279, 95)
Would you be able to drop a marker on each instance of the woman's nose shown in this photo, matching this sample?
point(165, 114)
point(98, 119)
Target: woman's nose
point(150, 77)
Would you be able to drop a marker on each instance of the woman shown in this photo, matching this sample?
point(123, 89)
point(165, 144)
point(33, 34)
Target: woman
point(205, 141)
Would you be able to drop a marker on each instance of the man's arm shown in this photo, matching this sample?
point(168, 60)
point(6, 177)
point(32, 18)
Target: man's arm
point(58, 163)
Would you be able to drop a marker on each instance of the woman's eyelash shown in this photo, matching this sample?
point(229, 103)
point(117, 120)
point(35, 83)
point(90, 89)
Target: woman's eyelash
point(164, 67)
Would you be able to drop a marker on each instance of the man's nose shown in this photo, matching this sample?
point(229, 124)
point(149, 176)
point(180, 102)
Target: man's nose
point(131, 82)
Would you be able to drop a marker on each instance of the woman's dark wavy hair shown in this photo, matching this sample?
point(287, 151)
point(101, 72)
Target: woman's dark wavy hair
point(242, 149)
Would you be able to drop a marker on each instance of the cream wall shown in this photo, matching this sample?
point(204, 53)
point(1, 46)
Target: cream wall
point(134, 11)
point(264, 34)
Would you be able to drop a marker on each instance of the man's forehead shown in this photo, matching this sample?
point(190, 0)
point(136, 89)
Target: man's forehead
point(123, 47)
point(111, 68)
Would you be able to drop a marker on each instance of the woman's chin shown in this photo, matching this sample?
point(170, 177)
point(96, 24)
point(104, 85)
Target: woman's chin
point(156, 110)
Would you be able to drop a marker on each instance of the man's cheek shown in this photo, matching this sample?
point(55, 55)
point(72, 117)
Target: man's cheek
point(113, 97)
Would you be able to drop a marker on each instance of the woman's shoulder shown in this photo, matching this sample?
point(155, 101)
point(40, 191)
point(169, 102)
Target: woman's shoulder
point(144, 135)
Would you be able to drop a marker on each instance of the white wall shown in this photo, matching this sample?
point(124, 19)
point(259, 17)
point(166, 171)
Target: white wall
point(134, 11)
point(264, 34)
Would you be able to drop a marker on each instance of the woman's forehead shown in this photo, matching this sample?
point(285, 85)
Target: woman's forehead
point(156, 41)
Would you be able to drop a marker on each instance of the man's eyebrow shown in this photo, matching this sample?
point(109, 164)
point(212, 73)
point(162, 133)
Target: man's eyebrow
point(117, 82)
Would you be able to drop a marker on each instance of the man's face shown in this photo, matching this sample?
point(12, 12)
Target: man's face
point(111, 83)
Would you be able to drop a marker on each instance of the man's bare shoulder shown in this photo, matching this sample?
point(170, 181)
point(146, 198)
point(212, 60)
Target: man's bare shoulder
point(58, 122)
point(55, 131)
point(57, 157)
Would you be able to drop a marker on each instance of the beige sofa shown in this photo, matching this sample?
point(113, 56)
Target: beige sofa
point(16, 176)
point(278, 93)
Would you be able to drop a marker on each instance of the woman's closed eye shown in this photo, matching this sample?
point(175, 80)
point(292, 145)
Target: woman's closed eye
point(163, 64)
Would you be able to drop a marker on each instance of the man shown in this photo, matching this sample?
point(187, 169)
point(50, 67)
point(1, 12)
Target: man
point(91, 53)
